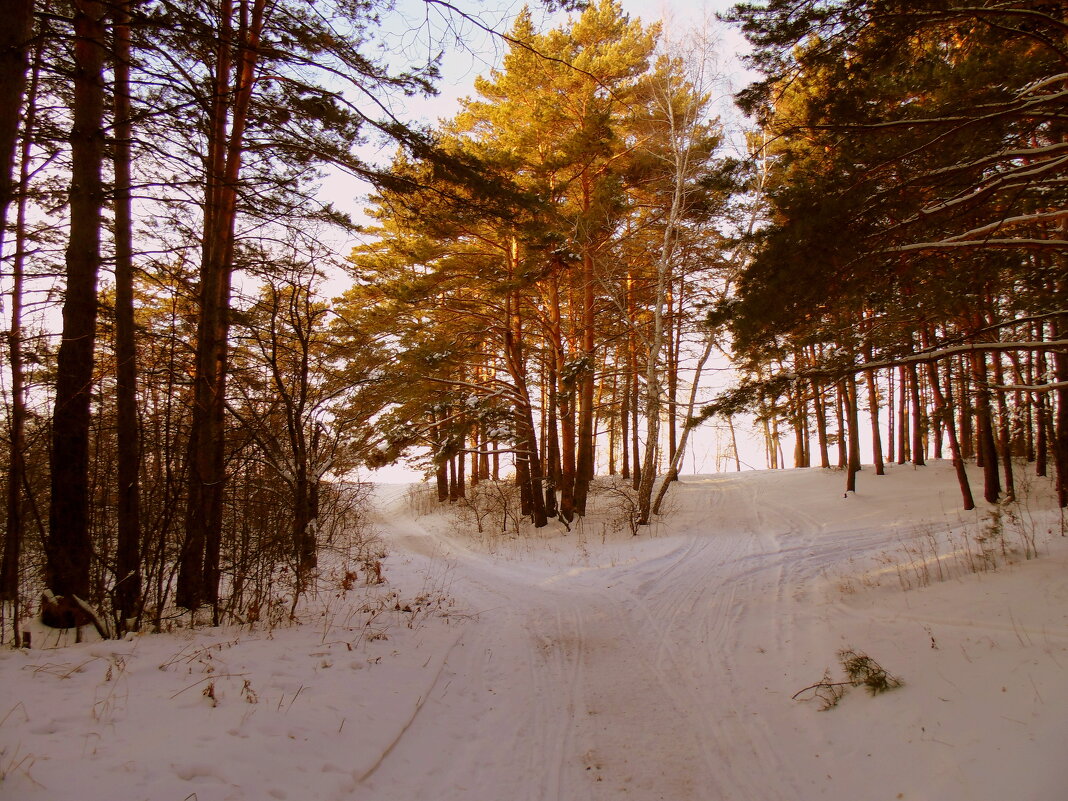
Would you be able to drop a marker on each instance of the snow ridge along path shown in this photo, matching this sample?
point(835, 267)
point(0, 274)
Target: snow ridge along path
point(594, 665)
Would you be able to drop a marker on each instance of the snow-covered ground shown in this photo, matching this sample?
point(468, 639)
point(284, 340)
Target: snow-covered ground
point(596, 665)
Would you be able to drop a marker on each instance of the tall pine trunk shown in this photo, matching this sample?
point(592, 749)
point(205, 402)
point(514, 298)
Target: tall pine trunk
point(966, 415)
point(1041, 421)
point(16, 35)
point(1004, 433)
point(198, 576)
point(128, 543)
point(849, 385)
point(16, 473)
point(68, 548)
point(528, 456)
point(984, 424)
point(819, 407)
point(840, 420)
point(565, 407)
point(585, 434)
point(876, 434)
point(944, 409)
point(916, 425)
point(552, 439)
point(902, 416)
point(1059, 440)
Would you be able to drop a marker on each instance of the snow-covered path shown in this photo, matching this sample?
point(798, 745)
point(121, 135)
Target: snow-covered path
point(663, 668)
point(593, 665)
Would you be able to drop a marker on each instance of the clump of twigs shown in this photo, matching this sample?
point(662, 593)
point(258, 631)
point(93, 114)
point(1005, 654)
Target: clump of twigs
point(860, 670)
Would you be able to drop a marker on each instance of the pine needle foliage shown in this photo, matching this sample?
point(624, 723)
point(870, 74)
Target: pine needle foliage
point(860, 671)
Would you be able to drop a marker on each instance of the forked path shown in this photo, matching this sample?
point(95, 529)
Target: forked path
point(663, 667)
point(606, 671)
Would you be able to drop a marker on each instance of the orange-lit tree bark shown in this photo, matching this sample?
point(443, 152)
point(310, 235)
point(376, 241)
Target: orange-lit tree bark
point(234, 75)
point(943, 408)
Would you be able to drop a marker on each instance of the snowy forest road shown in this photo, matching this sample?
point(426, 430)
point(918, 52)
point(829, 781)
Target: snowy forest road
point(625, 675)
point(592, 665)
point(664, 667)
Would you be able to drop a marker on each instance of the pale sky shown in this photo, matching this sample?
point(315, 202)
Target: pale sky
point(482, 52)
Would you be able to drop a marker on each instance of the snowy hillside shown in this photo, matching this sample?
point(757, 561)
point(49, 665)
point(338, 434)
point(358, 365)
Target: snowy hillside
point(595, 665)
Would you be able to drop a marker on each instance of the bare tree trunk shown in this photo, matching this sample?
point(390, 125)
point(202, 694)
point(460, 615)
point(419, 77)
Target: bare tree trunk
point(624, 420)
point(873, 413)
point(528, 459)
point(198, 576)
point(917, 415)
point(672, 473)
point(1060, 444)
point(843, 433)
point(68, 549)
point(944, 409)
point(441, 479)
point(734, 445)
point(853, 422)
point(821, 423)
point(987, 448)
point(552, 440)
point(1041, 420)
point(966, 415)
point(14, 531)
point(1060, 373)
point(674, 350)
point(876, 434)
point(1003, 432)
point(611, 416)
point(16, 34)
point(128, 543)
point(565, 395)
point(585, 435)
point(902, 416)
point(454, 495)
point(890, 427)
point(799, 414)
point(461, 468)
point(635, 392)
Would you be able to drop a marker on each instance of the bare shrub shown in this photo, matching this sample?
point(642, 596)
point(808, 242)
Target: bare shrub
point(492, 507)
point(421, 499)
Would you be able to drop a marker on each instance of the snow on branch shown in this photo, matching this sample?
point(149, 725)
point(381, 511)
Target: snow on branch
point(934, 355)
point(1031, 154)
point(1050, 216)
point(1029, 387)
point(993, 244)
point(956, 350)
point(1003, 180)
